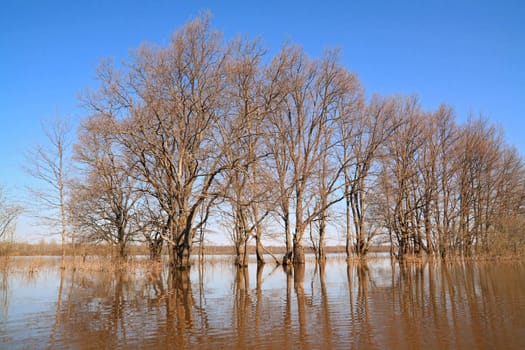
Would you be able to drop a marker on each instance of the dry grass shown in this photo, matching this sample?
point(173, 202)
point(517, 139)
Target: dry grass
point(55, 249)
point(103, 264)
point(33, 265)
point(30, 265)
point(141, 265)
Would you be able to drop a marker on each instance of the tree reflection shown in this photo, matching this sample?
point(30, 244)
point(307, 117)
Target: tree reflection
point(258, 301)
point(325, 308)
point(452, 298)
point(154, 287)
point(360, 325)
point(100, 308)
point(298, 276)
point(179, 306)
point(381, 308)
point(4, 285)
point(241, 305)
point(58, 309)
point(288, 305)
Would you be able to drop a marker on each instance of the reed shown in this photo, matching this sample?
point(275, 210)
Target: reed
point(104, 264)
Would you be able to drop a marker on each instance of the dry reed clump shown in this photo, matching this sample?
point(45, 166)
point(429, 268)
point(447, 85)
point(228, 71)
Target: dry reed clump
point(507, 245)
point(415, 259)
point(5, 265)
point(360, 259)
point(30, 265)
point(101, 264)
point(35, 265)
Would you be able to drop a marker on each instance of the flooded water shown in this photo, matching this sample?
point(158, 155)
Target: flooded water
point(378, 305)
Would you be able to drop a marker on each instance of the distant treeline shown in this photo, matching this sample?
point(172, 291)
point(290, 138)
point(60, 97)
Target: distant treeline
point(204, 131)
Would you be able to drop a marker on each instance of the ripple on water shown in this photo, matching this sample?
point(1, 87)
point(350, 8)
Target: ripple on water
point(365, 306)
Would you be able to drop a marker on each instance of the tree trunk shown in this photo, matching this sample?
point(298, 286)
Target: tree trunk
point(241, 259)
point(258, 249)
point(356, 202)
point(62, 210)
point(122, 249)
point(258, 233)
point(348, 246)
point(322, 229)
point(181, 256)
point(298, 253)
point(155, 247)
point(287, 259)
point(428, 231)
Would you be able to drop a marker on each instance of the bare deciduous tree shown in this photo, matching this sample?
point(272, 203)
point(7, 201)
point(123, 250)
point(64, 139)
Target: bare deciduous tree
point(365, 131)
point(49, 165)
point(172, 125)
point(243, 185)
point(401, 180)
point(104, 205)
point(9, 212)
point(309, 92)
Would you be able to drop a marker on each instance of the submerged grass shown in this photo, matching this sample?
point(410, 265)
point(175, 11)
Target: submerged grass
point(33, 265)
point(102, 264)
point(142, 264)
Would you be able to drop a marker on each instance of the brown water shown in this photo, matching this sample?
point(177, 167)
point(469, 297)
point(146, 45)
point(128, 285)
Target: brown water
point(356, 306)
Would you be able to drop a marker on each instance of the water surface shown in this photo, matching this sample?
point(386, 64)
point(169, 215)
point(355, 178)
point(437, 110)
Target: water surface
point(376, 305)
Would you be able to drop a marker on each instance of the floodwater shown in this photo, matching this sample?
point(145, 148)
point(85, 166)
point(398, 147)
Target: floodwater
point(378, 305)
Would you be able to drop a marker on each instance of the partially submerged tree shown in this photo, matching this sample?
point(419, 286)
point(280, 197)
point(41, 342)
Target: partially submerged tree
point(364, 130)
point(105, 201)
point(299, 136)
point(402, 176)
point(245, 187)
point(171, 111)
point(49, 164)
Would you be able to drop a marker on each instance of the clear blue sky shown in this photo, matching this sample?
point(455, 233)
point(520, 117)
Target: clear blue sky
point(466, 53)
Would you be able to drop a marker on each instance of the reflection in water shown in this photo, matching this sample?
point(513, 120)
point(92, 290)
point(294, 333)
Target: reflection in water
point(325, 308)
point(242, 306)
point(215, 305)
point(58, 308)
point(360, 329)
point(4, 288)
point(298, 274)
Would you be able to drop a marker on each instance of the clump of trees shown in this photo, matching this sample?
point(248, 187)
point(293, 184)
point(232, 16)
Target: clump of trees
point(446, 189)
point(204, 130)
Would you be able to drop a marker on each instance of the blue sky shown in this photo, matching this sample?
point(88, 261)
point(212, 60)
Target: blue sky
point(466, 53)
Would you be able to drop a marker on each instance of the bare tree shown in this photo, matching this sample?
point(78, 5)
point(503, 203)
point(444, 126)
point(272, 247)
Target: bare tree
point(364, 133)
point(309, 92)
point(49, 165)
point(9, 212)
point(351, 108)
point(243, 185)
point(153, 223)
point(172, 126)
point(401, 176)
point(104, 204)
point(507, 212)
point(481, 145)
point(436, 171)
point(326, 167)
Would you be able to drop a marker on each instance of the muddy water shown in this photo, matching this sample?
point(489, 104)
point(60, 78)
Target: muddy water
point(377, 305)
